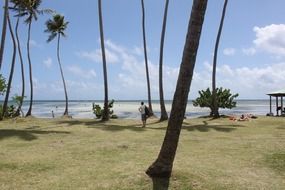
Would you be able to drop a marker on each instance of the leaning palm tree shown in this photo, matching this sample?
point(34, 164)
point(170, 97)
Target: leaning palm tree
point(215, 112)
point(56, 28)
point(162, 167)
point(30, 8)
point(4, 28)
point(163, 115)
point(145, 57)
point(5, 103)
point(105, 115)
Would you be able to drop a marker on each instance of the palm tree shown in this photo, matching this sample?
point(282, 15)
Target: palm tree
point(5, 104)
point(18, 13)
point(4, 28)
point(30, 8)
point(215, 112)
point(163, 115)
point(105, 115)
point(145, 57)
point(162, 167)
point(56, 28)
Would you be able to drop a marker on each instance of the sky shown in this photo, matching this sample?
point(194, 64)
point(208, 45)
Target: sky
point(251, 56)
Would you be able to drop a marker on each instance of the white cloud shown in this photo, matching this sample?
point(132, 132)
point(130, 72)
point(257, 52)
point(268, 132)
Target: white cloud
point(271, 39)
point(48, 62)
point(229, 51)
point(249, 51)
point(248, 82)
point(78, 71)
point(96, 56)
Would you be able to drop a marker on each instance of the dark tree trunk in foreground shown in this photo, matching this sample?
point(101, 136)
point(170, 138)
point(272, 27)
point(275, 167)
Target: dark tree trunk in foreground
point(3, 34)
point(145, 57)
point(5, 104)
point(215, 112)
point(105, 116)
point(162, 167)
point(163, 115)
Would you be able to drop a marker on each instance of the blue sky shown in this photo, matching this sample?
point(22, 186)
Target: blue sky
point(251, 57)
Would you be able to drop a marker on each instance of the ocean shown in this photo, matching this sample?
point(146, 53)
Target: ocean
point(129, 109)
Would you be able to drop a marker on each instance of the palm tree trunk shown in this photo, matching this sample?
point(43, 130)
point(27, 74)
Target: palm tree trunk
point(63, 81)
point(145, 57)
point(30, 71)
point(22, 68)
point(162, 167)
point(214, 90)
point(105, 116)
point(163, 115)
point(3, 35)
point(5, 104)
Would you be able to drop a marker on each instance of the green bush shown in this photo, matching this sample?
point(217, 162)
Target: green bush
point(224, 99)
point(98, 111)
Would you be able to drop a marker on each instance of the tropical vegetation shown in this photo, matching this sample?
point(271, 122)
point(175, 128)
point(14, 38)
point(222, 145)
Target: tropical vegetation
point(225, 99)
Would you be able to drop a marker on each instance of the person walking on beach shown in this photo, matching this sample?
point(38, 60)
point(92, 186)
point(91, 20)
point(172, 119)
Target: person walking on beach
point(143, 115)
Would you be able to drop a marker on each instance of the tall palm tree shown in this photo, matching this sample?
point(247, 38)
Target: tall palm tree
point(4, 28)
point(30, 8)
point(163, 115)
point(145, 57)
point(215, 112)
point(18, 11)
point(5, 104)
point(162, 167)
point(56, 28)
point(105, 115)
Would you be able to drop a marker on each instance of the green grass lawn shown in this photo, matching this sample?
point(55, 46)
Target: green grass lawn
point(86, 154)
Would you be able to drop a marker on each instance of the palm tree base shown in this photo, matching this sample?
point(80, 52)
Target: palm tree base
point(163, 118)
point(159, 170)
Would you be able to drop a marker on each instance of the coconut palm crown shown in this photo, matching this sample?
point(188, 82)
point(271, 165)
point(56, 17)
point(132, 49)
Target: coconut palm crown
point(55, 27)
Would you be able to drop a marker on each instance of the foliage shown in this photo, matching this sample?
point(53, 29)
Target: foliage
point(18, 99)
point(224, 99)
point(56, 26)
point(3, 85)
point(98, 111)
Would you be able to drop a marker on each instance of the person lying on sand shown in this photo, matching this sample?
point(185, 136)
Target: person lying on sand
point(243, 117)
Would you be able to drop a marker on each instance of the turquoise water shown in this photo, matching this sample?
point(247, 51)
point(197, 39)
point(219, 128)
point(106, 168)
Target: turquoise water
point(129, 109)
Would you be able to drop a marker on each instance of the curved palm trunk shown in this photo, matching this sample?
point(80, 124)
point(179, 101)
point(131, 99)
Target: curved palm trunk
point(105, 115)
point(146, 61)
point(215, 112)
point(5, 104)
point(22, 69)
point(163, 115)
point(30, 71)
point(63, 81)
point(162, 167)
point(4, 28)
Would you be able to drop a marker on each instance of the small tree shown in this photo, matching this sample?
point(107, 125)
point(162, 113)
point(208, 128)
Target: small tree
point(98, 111)
point(224, 99)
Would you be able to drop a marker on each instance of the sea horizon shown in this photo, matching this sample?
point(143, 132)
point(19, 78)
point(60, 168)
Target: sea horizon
point(128, 109)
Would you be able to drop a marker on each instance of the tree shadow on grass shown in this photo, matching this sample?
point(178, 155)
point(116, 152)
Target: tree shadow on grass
point(114, 127)
point(206, 127)
point(27, 135)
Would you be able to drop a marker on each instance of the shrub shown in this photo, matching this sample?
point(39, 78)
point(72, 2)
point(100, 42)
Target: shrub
point(224, 99)
point(98, 111)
